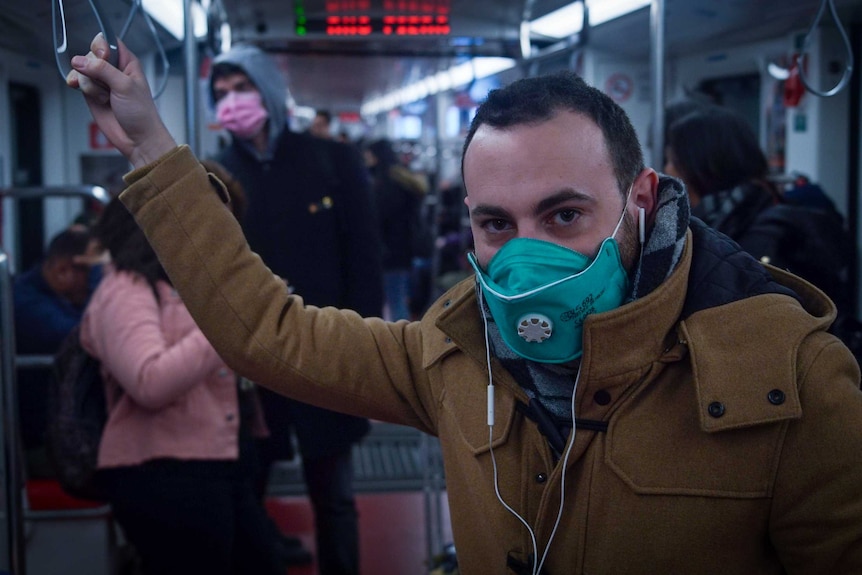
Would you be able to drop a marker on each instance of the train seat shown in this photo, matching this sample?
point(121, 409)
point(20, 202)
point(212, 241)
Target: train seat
point(67, 535)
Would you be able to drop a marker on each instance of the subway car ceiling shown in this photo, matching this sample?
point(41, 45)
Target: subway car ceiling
point(341, 72)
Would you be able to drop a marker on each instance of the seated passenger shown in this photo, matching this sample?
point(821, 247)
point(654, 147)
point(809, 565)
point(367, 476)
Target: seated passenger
point(178, 422)
point(716, 153)
point(49, 300)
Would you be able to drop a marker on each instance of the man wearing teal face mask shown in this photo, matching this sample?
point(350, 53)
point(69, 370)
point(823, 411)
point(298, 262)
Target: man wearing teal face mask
point(706, 422)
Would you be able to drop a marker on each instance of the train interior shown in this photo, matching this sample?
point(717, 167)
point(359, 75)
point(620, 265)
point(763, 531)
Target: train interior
point(412, 71)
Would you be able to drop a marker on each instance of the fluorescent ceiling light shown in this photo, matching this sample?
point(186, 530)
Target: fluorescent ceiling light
point(569, 19)
point(777, 71)
point(169, 13)
point(560, 23)
point(485, 67)
point(602, 11)
point(454, 77)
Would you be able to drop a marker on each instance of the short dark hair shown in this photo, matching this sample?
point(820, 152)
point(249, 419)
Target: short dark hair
point(325, 114)
point(715, 149)
point(538, 99)
point(223, 70)
point(68, 243)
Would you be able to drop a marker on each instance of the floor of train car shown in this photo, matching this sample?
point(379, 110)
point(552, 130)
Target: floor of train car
point(403, 514)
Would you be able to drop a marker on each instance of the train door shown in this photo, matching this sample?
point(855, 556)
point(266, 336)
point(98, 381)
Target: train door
point(26, 168)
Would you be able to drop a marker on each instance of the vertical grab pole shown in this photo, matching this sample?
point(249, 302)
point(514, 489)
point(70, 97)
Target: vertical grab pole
point(657, 55)
point(191, 78)
point(11, 455)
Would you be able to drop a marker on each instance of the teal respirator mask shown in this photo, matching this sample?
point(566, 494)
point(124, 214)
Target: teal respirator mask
point(539, 294)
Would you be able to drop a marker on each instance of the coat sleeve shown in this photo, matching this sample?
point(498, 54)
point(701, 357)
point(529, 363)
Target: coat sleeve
point(323, 356)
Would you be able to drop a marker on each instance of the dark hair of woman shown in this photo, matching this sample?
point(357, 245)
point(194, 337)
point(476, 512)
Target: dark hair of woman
point(119, 233)
point(715, 149)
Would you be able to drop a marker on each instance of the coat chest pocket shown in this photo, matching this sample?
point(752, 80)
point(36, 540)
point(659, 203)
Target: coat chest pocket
point(665, 451)
point(465, 406)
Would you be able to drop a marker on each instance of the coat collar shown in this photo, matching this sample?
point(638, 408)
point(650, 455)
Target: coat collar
point(616, 343)
point(623, 345)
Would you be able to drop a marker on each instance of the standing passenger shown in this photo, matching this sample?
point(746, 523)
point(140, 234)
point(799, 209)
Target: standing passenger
point(178, 422)
point(321, 125)
point(619, 389)
point(399, 194)
point(311, 218)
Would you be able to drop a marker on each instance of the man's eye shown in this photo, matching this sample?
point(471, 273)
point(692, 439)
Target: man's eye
point(566, 216)
point(496, 225)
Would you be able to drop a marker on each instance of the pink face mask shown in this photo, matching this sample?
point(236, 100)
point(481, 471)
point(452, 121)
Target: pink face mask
point(242, 113)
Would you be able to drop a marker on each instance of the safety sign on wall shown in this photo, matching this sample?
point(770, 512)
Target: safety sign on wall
point(620, 87)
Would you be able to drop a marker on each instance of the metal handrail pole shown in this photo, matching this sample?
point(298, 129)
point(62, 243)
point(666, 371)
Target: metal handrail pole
point(35, 192)
point(657, 55)
point(11, 432)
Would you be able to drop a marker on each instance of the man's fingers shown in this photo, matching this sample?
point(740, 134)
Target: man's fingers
point(99, 46)
point(73, 80)
point(91, 89)
point(98, 70)
point(88, 87)
point(126, 57)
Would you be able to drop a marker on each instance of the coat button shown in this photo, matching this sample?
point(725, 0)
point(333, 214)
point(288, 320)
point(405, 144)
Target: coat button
point(775, 397)
point(447, 303)
point(715, 409)
point(448, 340)
point(602, 397)
point(541, 478)
point(230, 416)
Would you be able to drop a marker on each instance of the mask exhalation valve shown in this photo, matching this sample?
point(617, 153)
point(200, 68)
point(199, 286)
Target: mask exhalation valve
point(535, 327)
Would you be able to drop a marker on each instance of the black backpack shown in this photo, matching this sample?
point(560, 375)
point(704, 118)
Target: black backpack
point(76, 417)
point(813, 243)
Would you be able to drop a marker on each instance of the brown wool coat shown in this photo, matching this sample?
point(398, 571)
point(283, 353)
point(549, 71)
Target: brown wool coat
point(773, 485)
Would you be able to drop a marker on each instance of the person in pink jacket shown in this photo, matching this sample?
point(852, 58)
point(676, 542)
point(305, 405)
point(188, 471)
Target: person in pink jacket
point(178, 422)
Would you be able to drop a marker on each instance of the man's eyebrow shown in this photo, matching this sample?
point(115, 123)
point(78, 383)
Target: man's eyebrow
point(565, 195)
point(484, 210)
point(560, 197)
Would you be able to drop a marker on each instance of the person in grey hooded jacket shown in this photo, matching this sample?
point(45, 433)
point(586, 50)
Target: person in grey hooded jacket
point(311, 194)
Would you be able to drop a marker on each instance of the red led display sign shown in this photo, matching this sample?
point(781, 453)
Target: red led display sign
point(379, 17)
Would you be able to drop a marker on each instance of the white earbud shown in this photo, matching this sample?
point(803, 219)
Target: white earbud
point(642, 225)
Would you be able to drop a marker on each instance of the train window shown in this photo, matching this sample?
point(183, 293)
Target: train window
point(743, 94)
point(739, 93)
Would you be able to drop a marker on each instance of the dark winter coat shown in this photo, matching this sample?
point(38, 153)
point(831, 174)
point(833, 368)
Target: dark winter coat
point(311, 218)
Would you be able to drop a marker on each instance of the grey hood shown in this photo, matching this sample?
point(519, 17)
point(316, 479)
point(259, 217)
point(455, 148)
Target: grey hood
point(262, 70)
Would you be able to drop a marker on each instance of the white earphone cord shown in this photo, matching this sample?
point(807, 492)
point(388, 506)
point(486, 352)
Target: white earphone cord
point(537, 565)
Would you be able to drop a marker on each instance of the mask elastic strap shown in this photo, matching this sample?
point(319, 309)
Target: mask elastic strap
point(623, 214)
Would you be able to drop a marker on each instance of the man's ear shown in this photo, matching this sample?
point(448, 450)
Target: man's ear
point(645, 195)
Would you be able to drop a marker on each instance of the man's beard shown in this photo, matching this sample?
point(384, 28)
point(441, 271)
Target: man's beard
point(629, 243)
